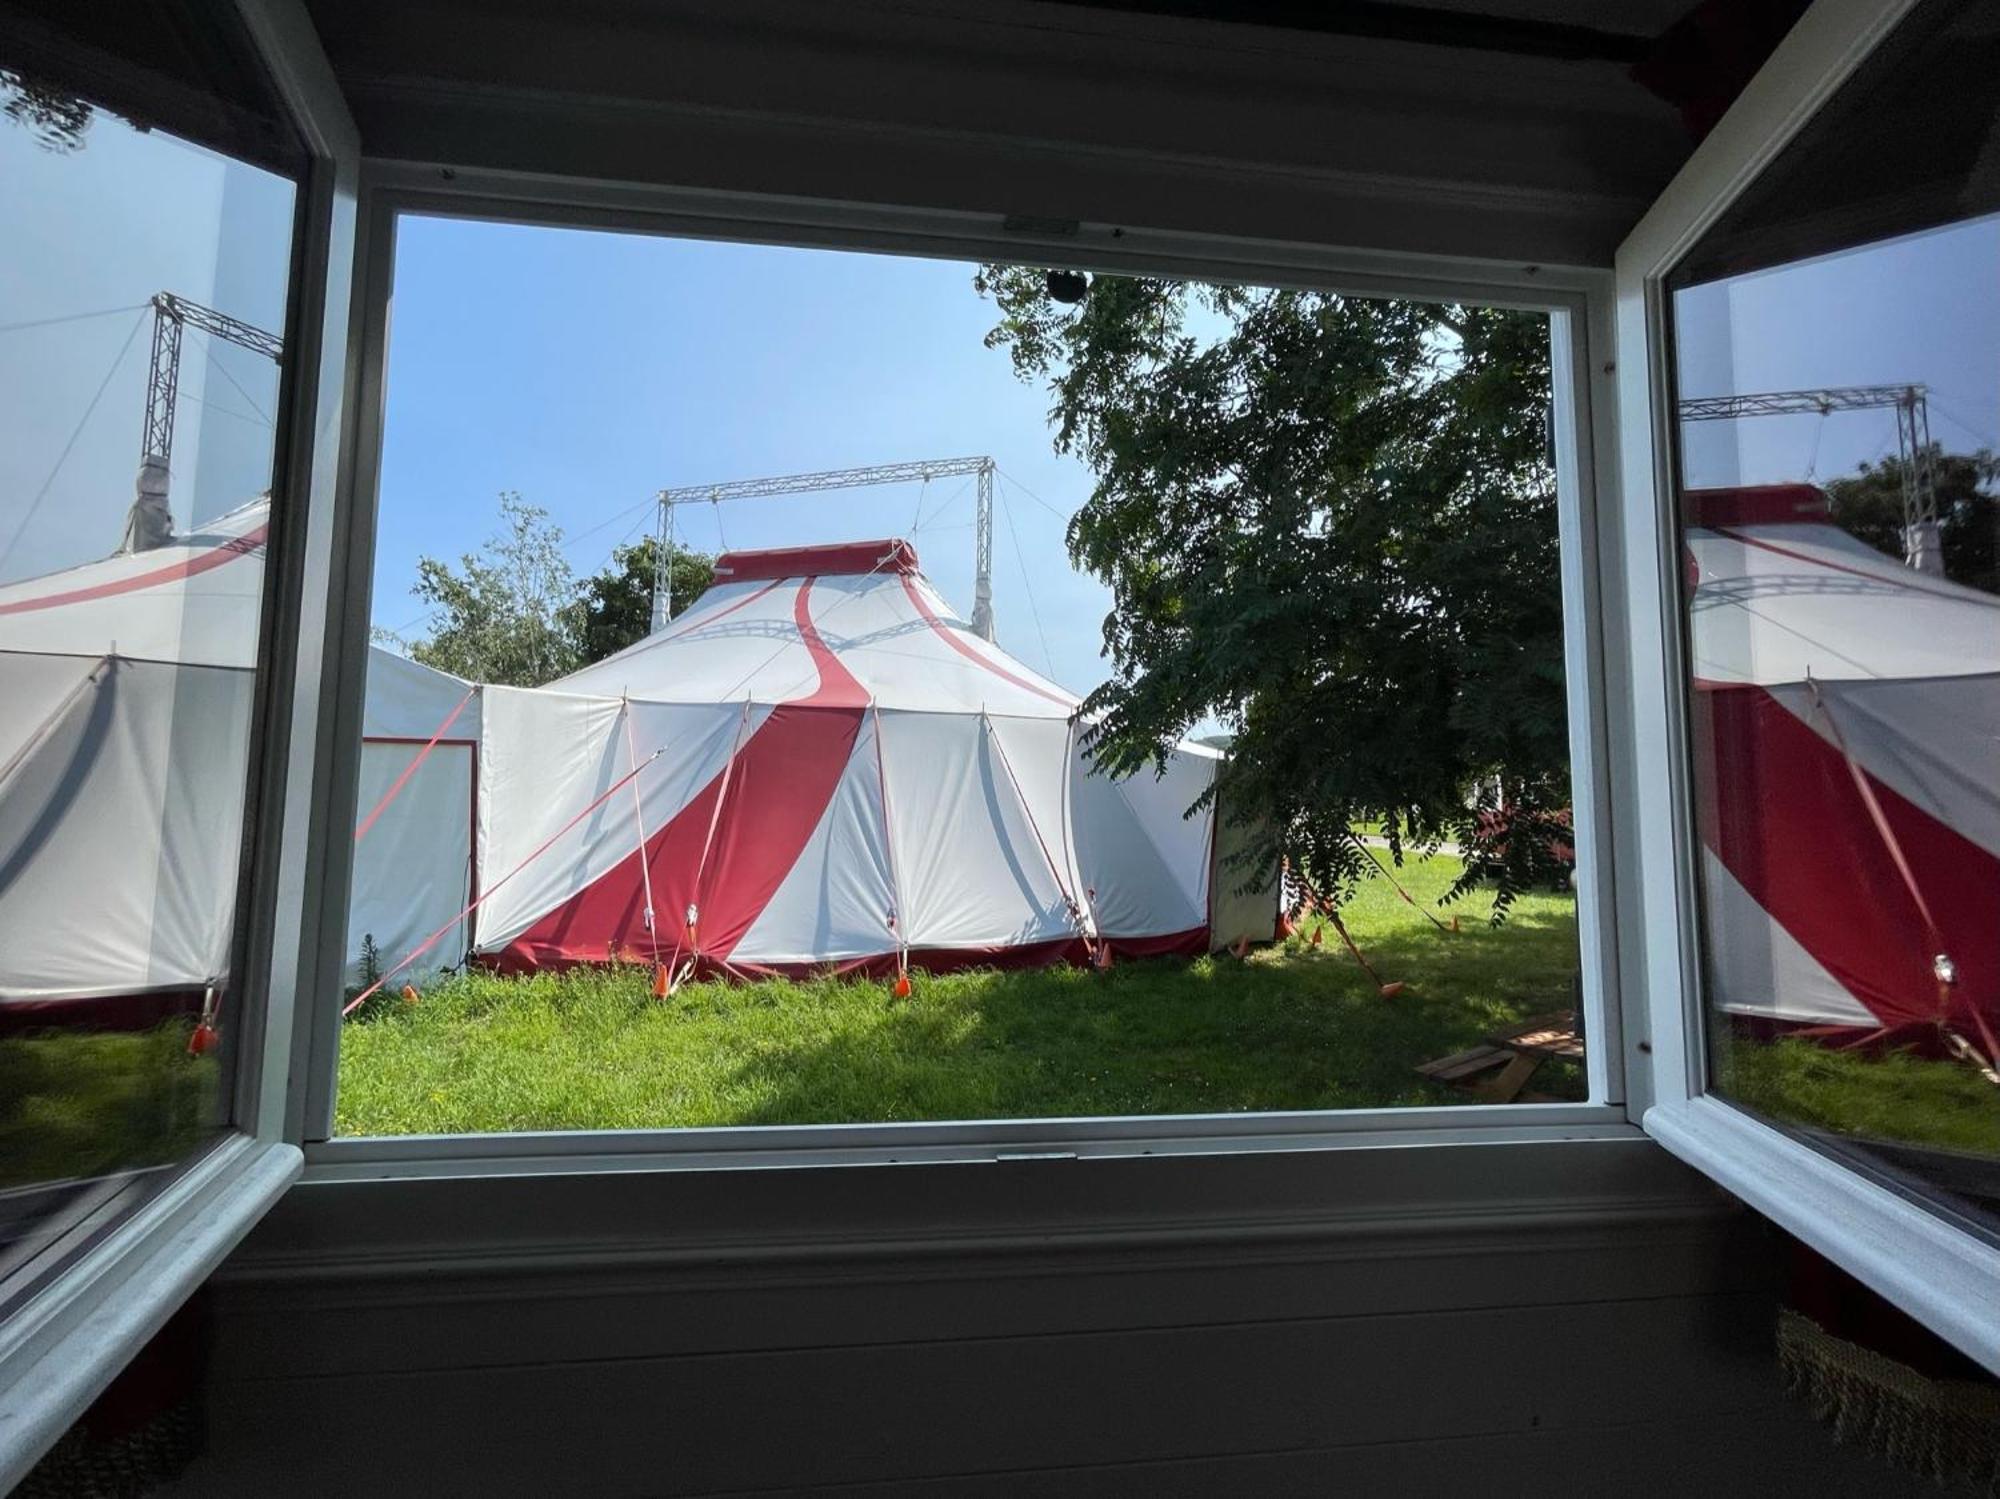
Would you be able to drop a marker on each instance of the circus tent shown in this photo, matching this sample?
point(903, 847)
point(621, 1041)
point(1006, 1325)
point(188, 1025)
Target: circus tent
point(129, 683)
point(820, 764)
point(1846, 726)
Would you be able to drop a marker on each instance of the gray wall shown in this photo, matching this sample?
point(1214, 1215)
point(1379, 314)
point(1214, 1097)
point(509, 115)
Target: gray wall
point(1581, 1317)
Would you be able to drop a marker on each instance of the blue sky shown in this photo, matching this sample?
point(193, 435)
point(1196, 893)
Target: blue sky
point(588, 370)
point(1924, 308)
point(90, 236)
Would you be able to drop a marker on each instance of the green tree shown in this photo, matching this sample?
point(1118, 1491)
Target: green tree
point(58, 118)
point(1869, 504)
point(618, 600)
point(510, 612)
point(1330, 522)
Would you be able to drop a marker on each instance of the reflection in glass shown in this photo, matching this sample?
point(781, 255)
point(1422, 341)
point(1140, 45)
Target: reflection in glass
point(139, 279)
point(1840, 504)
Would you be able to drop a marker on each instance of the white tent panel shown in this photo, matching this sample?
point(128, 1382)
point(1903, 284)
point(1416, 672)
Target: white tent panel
point(1779, 603)
point(195, 601)
point(1146, 858)
point(120, 829)
point(408, 700)
point(972, 871)
point(837, 900)
point(413, 870)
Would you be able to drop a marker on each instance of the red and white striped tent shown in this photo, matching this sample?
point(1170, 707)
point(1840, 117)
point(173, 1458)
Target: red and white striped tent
point(1847, 753)
point(824, 765)
point(128, 684)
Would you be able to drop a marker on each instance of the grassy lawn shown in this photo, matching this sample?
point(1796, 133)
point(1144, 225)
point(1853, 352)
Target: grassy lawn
point(1900, 1097)
point(79, 1105)
point(1292, 1028)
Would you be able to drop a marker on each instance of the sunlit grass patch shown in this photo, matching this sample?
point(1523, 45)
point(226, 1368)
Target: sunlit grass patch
point(1290, 1028)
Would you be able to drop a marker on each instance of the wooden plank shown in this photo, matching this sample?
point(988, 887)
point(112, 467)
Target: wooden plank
point(1512, 1079)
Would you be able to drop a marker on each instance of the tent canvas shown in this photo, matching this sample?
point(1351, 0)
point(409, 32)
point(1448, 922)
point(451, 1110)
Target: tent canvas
point(820, 764)
point(1846, 726)
point(130, 684)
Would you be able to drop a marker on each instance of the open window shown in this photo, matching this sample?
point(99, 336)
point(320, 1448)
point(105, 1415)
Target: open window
point(764, 722)
point(1816, 304)
point(164, 274)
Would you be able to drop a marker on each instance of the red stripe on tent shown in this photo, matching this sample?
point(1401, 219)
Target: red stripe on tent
point(779, 785)
point(839, 559)
point(1781, 810)
point(99, 1012)
point(944, 633)
point(1754, 505)
point(173, 572)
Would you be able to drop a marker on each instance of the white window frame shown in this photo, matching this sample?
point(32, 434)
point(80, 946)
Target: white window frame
point(1946, 1278)
point(1578, 302)
point(66, 1340)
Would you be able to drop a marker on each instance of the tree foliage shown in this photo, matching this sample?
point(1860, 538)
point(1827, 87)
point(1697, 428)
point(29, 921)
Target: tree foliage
point(514, 612)
point(618, 601)
point(57, 117)
point(1869, 504)
point(1331, 523)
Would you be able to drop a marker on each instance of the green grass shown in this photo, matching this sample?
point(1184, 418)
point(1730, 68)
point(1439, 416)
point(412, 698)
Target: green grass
point(1897, 1096)
point(1291, 1028)
point(80, 1105)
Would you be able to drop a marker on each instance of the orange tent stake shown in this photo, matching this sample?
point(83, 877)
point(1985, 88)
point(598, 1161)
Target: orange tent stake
point(661, 985)
point(410, 995)
point(1388, 991)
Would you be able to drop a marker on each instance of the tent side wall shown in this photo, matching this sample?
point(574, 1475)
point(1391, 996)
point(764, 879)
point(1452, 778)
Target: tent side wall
point(1238, 910)
point(120, 825)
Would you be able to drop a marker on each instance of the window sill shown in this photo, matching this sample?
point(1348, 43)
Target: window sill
point(388, 1224)
point(582, 1152)
point(1946, 1279)
point(61, 1348)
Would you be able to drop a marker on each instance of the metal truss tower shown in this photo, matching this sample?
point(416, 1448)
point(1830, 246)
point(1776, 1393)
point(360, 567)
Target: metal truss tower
point(1921, 544)
point(980, 468)
point(150, 523)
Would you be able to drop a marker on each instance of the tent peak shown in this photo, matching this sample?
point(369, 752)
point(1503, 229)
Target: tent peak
point(833, 559)
point(1756, 505)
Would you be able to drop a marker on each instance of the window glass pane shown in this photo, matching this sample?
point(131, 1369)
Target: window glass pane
point(1840, 506)
point(1298, 546)
point(142, 281)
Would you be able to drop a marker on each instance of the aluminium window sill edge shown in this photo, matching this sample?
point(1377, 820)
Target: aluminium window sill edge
point(580, 1152)
point(60, 1349)
point(1947, 1279)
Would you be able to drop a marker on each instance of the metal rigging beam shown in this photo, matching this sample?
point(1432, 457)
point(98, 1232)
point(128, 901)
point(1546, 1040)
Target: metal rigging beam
point(150, 522)
point(840, 478)
point(1922, 548)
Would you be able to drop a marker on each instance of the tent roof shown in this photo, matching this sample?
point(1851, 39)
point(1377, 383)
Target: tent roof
point(193, 601)
point(778, 626)
point(843, 557)
point(1778, 600)
point(197, 602)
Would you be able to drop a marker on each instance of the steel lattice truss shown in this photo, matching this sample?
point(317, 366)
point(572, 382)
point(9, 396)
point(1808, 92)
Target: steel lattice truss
point(171, 316)
point(1911, 404)
point(844, 478)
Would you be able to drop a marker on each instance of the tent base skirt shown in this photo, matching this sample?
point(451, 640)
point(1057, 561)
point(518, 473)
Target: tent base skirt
point(520, 958)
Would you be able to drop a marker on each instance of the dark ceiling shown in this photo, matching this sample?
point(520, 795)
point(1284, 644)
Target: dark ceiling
point(1577, 30)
